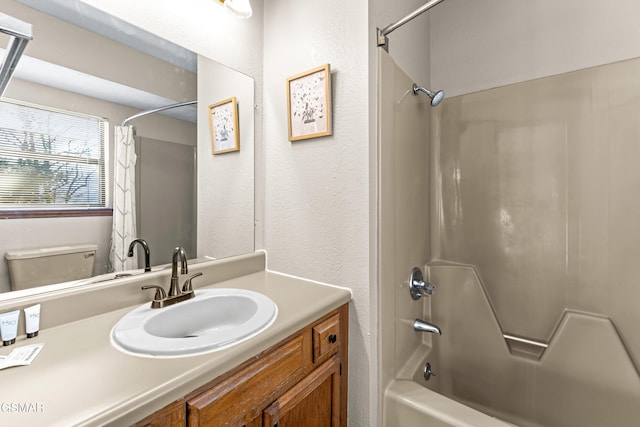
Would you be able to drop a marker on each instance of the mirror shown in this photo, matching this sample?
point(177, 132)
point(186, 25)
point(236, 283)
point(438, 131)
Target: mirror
point(222, 185)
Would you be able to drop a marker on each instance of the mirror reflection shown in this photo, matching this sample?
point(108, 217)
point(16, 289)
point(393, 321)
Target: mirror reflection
point(185, 196)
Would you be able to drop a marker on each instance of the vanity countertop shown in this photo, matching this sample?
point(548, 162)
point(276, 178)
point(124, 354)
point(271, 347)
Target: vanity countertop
point(80, 379)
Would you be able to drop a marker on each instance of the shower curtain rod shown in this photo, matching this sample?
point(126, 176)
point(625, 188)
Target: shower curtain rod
point(381, 35)
point(155, 110)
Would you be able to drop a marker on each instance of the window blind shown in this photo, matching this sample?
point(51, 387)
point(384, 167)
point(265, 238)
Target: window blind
point(51, 159)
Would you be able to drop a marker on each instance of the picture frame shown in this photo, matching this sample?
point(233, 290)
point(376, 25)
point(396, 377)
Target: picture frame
point(309, 104)
point(223, 123)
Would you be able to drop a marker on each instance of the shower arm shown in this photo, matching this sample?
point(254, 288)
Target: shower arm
point(382, 34)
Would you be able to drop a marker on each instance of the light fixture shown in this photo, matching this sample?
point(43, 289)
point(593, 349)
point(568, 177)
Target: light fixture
point(239, 8)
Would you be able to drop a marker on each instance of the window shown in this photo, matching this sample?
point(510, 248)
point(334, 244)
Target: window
point(51, 159)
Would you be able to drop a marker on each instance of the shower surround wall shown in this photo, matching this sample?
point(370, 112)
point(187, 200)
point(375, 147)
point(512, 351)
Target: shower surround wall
point(403, 206)
point(538, 185)
point(536, 188)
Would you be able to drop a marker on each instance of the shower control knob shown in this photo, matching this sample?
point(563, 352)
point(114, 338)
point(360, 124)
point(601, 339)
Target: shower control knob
point(417, 286)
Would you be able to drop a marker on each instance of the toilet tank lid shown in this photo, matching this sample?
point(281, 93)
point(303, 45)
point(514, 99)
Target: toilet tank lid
point(44, 252)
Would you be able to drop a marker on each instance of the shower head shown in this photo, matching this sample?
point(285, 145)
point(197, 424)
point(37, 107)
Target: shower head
point(436, 97)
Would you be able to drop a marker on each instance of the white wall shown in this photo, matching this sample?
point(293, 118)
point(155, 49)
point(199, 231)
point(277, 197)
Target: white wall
point(482, 44)
point(225, 181)
point(316, 191)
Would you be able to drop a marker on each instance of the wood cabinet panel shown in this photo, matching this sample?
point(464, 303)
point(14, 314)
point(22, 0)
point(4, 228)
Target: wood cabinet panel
point(240, 398)
point(173, 415)
point(313, 402)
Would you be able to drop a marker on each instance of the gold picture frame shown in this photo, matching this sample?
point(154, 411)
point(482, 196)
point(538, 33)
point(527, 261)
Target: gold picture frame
point(309, 104)
point(223, 123)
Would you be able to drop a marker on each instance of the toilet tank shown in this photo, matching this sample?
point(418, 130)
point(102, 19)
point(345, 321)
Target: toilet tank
point(37, 267)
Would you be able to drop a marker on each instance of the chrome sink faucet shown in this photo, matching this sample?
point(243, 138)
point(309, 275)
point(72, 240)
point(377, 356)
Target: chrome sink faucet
point(175, 295)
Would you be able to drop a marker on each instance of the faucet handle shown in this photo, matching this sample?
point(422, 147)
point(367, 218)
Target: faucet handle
point(160, 293)
point(417, 286)
point(186, 287)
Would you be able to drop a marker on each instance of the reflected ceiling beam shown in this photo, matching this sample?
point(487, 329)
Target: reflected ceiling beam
point(48, 74)
point(92, 19)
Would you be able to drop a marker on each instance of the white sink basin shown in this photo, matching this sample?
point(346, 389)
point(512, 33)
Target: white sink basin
point(213, 320)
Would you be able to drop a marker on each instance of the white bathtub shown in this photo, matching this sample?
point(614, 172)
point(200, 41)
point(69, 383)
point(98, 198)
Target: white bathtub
point(408, 404)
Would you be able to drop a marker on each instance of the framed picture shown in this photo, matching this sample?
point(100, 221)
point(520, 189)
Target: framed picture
point(309, 104)
point(223, 122)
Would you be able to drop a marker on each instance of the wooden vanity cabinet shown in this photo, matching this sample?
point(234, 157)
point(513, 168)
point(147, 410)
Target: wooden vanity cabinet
point(301, 381)
point(313, 402)
point(169, 416)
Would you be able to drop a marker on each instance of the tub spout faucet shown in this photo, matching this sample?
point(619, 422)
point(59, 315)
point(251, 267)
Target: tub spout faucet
point(422, 326)
point(179, 252)
point(147, 254)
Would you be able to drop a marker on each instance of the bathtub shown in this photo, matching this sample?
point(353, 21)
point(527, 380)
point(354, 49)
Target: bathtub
point(583, 377)
point(415, 402)
point(408, 404)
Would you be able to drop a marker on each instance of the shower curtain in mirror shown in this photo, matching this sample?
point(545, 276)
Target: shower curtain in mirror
point(124, 200)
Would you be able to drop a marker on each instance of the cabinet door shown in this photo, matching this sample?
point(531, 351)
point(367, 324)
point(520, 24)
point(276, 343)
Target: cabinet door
point(240, 399)
point(313, 402)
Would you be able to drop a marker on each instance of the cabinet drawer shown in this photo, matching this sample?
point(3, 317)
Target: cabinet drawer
point(326, 338)
point(240, 398)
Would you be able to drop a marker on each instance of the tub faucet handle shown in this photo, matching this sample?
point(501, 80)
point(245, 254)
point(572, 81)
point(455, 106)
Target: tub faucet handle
point(417, 286)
